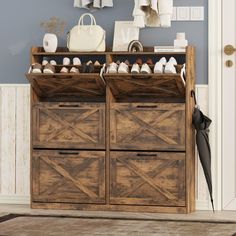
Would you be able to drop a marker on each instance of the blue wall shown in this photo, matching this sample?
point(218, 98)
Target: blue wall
point(20, 29)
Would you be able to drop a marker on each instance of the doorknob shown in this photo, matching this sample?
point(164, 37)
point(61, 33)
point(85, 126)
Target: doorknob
point(229, 50)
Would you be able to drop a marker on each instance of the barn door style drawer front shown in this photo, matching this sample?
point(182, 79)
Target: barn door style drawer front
point(68, 177)
point(69, 125)
point(148, 178)
point(147, 126)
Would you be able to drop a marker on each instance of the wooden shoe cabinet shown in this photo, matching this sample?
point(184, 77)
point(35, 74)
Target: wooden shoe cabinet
point(118, 142)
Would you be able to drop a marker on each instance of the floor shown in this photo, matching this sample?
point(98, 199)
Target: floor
point(115, 223)
point(229, 216)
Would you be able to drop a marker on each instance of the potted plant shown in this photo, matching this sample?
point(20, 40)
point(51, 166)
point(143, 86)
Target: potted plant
point(54, 27)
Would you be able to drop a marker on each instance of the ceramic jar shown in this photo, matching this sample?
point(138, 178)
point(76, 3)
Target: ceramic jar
point(50, 42)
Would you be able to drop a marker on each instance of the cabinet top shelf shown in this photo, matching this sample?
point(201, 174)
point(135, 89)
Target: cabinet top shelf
point(62, 51)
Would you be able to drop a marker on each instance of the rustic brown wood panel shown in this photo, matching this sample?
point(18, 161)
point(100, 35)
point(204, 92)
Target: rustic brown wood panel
point(68, 176)
point(146, 86)
point(147, 126)
point(69, 125)
point(78, 86)
point(148, 178)
point(190, 133)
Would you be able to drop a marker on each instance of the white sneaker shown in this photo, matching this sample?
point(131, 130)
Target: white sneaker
point(159, 68)
point(76, 61)
point(123, 68)
point(170, 68)
point(146, 69)
point(74, 70)
point(163, 61)
point(53, 62)
point(173, 61)
point(64, 70)
point(112, 68)
point(135, 69)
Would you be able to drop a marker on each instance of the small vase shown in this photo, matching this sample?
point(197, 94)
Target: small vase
point(50, 42)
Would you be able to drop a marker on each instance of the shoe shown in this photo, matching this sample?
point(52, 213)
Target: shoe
point(135, 69)
point(49, 69)
point(64, 70)
point(158, 68)
point(76, 61)
point(36, 68)
point(83, 68)
point(74, 70)
point(163, 61)
point(127, 62)
point(123, 68)
point(53, 62)
point(139, 61)
point(44, 62)
point(112, 68)
point(97, 63)
point(66, 61)
point(146, 69)
point(90, 68)
point(149, 61)
point(173, 61)
point(170, 68)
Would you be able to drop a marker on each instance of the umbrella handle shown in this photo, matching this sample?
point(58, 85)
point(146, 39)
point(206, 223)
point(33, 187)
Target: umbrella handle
point(194, 97)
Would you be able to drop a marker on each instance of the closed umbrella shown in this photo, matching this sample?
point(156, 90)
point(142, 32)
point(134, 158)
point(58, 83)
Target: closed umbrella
point(202, 124)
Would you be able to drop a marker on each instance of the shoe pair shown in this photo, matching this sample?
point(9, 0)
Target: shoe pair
point(65, 70)
point(48, 68)
point(145, 69)
point(67, 62)
point(120, 67)
point(162, 66)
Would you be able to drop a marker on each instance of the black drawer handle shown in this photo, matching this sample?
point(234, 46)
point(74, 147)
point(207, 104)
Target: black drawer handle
point(147, 155)
point(69, 105)
point(69, 153)
point(146, 106)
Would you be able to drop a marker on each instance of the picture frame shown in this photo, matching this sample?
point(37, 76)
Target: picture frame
point(124, 33)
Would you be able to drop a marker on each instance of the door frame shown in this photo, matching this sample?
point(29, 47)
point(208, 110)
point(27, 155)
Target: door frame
point(215, 94)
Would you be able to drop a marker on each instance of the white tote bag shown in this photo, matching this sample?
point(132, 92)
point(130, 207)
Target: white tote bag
point(87, 38)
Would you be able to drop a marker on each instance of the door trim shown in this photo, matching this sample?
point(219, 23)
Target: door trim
point(215, 95)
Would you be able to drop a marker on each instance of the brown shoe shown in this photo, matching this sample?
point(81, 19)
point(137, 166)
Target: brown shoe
point(36, 68)
point(49, 69)
point(139, 61)
point(149, 61)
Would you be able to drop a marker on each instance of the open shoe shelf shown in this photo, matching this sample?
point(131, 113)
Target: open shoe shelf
point(77, 87)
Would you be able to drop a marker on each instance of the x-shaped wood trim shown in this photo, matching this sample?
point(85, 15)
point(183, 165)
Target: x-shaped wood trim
point(72, 84)
point(61, 182)
point(147, 179)
point(162, 167)
point(68, 176)
point(143, 85)
point(145, 126)
point(68, 125)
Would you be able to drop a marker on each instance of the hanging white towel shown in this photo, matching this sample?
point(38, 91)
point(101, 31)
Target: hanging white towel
point(88, 4)
point(153, 13)
point(165, 11)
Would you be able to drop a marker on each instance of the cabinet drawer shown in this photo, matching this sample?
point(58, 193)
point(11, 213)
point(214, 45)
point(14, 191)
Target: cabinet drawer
point(68, 176)
point(148, 178)
point(69, 125)
point(147, 126)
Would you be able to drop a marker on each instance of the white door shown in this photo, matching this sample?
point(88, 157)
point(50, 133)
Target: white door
point(229, 107)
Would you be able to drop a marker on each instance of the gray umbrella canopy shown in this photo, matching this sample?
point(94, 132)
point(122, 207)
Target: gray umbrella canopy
point(202, 124)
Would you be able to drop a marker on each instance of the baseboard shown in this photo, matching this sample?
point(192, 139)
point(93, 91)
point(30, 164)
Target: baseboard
point(25, 200)
point(203, 205)
point(15, 199)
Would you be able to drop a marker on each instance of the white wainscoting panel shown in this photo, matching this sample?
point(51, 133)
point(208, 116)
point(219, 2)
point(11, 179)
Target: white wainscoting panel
point(15, 146)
